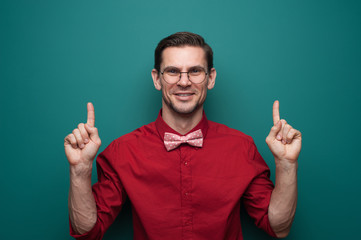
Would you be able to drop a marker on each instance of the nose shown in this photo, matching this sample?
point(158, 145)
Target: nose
point(184, 80)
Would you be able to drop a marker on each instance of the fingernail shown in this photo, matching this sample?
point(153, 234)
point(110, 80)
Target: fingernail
point(81, 145)
point(279, 137)
point(86, 140)
point(283, 141)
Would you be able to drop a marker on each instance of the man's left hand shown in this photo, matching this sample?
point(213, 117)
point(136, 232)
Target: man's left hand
point(283, 140)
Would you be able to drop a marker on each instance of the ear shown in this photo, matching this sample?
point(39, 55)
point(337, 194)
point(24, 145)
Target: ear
point(212, 78)
point(156, 79)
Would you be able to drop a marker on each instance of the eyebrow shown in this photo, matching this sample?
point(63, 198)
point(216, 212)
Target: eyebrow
point(195, 66)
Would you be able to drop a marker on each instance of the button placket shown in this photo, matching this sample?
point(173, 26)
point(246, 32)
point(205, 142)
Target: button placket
point(186, 190)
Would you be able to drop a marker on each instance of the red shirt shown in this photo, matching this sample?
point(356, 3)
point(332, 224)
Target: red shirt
point(186, 193)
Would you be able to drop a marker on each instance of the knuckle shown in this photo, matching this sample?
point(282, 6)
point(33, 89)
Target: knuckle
point(80, 125)
point(276, 128)
point(70, 138)
point(73, 141)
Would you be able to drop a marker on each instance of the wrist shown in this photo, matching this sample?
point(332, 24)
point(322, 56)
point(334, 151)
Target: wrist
point(81, 170)
point(284, 164)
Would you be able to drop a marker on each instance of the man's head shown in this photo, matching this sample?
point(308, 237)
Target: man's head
point(181, 39)
point(178, 60)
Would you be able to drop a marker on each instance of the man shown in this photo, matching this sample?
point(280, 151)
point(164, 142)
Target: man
point(186, 177)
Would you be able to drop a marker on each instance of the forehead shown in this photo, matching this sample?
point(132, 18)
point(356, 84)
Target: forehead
point(184, 56)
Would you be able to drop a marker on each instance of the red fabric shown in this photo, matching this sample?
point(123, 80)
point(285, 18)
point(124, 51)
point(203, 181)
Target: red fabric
point(186, 193)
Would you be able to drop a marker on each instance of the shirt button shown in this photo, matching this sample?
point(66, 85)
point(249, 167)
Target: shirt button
point(186, 163)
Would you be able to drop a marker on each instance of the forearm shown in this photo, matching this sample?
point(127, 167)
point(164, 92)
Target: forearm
point(82, 206)
point(283, 202)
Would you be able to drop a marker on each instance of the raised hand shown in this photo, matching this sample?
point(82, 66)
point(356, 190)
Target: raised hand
point(283, 140)
point(82, 145)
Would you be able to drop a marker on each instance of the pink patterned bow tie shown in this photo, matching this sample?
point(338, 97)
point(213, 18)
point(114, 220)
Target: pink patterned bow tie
point(172, 141)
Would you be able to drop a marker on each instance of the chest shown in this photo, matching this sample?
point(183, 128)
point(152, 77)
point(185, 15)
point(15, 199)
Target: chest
point(212, 177)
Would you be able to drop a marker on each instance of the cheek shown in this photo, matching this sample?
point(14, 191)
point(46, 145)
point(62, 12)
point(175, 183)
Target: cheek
point(203, 91)
point(166, 92)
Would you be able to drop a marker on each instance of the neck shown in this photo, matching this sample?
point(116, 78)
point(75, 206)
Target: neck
point(182, 123)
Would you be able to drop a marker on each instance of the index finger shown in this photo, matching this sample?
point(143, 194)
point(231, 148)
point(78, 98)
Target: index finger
point(276, 112)
point(91, 115)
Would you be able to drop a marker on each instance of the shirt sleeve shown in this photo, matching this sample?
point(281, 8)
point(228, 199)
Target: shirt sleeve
point(108, 193)
point(258, 194)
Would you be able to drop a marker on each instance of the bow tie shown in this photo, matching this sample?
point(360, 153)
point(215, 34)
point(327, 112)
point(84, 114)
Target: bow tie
point(172, 141)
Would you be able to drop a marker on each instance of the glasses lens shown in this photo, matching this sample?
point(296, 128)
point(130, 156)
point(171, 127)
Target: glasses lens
point(197, 75)
point(171, 75)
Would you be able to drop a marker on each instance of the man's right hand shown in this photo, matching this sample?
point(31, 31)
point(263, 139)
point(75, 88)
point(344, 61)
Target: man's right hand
point(82, 145)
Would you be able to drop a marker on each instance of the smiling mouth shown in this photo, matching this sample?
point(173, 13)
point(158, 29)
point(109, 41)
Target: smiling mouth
point(184, 94)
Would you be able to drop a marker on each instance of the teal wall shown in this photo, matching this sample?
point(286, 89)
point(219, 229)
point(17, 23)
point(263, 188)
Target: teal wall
point(57, 55)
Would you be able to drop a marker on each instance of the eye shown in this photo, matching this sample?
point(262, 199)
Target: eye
point(172, 71)
point(196, 71)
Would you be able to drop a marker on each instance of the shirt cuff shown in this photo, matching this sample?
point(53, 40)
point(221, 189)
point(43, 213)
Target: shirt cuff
point(269, 229)
point(94, 233)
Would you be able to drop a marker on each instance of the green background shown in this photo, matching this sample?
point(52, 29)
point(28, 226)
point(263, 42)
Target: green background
point(55, 56)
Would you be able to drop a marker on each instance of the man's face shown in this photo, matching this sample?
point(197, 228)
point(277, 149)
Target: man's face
point(183, 97)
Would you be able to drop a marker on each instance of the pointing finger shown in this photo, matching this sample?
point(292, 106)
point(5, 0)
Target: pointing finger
point(276, 112)
point(91, 115)
point(93, 133)
point(274, 131)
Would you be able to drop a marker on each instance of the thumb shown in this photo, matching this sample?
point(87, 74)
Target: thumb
point(275, 130)
point(93, 133)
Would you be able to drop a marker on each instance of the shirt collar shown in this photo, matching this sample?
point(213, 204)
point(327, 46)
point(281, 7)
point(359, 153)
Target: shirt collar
point(162, 126)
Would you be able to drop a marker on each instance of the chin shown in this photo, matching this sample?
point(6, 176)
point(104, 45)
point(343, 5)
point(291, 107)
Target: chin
point(184, 110)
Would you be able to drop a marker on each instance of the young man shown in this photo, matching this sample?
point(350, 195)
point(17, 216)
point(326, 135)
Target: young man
point(186, 177)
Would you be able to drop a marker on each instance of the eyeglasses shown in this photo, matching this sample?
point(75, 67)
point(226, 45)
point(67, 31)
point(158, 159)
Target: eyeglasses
point(196, 75)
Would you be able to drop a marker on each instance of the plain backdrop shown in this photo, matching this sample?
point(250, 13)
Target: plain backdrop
point(55, 56)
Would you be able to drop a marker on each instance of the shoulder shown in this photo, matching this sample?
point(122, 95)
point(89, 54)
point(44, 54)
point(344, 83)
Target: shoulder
point(144, 131)
point(225, 131)
point(120, 146)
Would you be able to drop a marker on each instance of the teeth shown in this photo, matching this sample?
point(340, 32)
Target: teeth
point(185, 94)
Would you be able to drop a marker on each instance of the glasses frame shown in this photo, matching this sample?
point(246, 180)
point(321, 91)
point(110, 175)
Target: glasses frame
point(180, 76)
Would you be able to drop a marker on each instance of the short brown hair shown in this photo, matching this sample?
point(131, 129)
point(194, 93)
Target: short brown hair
point(180, 39)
